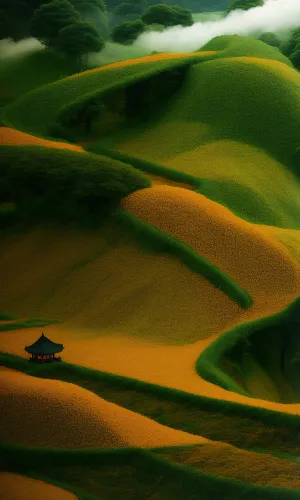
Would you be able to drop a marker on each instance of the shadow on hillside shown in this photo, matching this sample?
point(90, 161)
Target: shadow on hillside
point(120, 107)
point(267, 364)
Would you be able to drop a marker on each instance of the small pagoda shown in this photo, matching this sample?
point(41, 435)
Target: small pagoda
point(44, 350)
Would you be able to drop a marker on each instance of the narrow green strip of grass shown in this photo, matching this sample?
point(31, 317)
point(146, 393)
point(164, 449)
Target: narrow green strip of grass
point(156, 240)
point(209, 362)
point(30, 323)
point(131, 473)
point(239, 425)
point(144, 165)
point(7, 317)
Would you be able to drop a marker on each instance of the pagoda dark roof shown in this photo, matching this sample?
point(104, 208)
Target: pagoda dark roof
point(44, 346)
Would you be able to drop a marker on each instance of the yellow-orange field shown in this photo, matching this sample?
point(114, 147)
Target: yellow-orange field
point(278, 68)
point(60, 277)
point(141, 60)
point(17, 487)
point(170, 293)
point(288, 237)
point(11, 137)
point(228, 461)
point(127, 312)
point(158, 180)
point(51, 413)
point(144, 305)
point(253, 258)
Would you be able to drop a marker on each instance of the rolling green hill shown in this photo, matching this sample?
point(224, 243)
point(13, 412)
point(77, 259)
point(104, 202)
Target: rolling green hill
point(164, 304)
point(223, 124)
point(51, 100)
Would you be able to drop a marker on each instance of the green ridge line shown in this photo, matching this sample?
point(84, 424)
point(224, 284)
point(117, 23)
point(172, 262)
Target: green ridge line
point(271, 417)
point(207, 365)
point(163, 242)
point(145, 165)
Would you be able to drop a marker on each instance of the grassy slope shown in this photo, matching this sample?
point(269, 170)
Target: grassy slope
point(29, 323)
point(24, 73)
point(111, 180)
point(256, 492)
point(61, 275)
point(145, 166)
point(263, 92)
point(53, 183)
point(268, 383)
point(18, 486)
point(220, 43)
point(212, 418)
point(208, 459)
point(132, 473)
point(154, 206)
point(255, 261)
point(153, 238)
point(13, 137)
point(257, 469)
point(236, 46)
point(200, 133)
point(63, 94)
point(75, 418)
point(217, 183)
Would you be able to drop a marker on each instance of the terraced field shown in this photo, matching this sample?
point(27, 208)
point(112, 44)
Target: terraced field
point(164, 255)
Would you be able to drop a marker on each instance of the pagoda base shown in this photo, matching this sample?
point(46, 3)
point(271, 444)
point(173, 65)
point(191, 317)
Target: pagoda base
point(49, 360)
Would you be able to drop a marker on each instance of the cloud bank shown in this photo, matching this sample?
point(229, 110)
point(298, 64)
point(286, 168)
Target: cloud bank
point(279, 16)
point(9, 48)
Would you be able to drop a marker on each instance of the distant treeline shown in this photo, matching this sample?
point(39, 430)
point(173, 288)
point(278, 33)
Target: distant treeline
point(75, 28)
point(16, 16)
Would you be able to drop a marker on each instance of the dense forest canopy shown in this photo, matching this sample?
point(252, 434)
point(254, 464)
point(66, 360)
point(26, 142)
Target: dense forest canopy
point(16, 15)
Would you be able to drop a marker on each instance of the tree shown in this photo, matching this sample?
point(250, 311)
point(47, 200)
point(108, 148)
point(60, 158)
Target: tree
point(78, 39)
point(50, 18)
point(127, 12)
point(244, 4)
point(184, 16)
point(295, 56)
point(155, 27)
point(93, 12)
point(269, 38)
point(125, 33)
point(296, 161)
point(92, 112)
point(167, 15)
point(34, 4)
point(16, 8)
point(15, 18)
point(6, 29)
point(288, 47)
point(130, 8)
point(86, 6)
